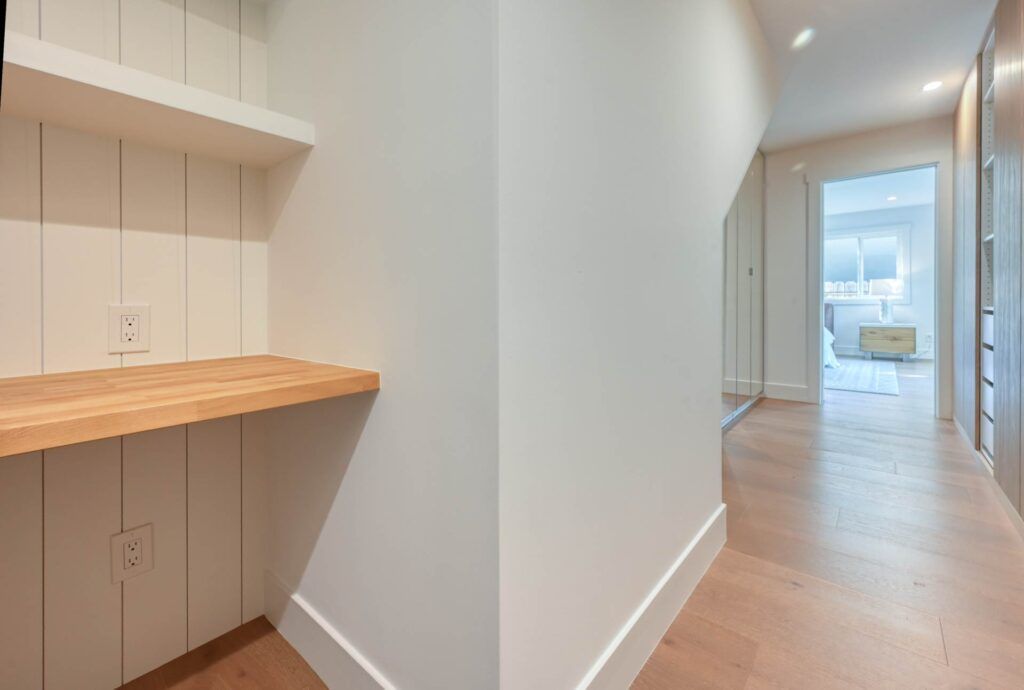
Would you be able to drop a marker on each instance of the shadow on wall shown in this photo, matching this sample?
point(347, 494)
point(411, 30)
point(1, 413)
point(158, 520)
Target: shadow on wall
point(310, 448)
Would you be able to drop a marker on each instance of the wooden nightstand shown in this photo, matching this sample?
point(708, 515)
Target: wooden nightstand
point(890, 338)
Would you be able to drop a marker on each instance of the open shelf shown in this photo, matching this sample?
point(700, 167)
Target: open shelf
point(990, 161)
point(46, 82)
point(990, 93)
point(988, 238)
point(53, 410)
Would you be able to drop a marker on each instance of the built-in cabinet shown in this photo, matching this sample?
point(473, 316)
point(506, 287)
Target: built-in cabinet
point(989, 151)
point(743, 296)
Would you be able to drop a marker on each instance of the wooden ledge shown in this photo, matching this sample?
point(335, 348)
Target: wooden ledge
point(51, 410)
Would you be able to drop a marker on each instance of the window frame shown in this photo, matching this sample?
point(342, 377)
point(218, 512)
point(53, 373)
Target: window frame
point(903, 268)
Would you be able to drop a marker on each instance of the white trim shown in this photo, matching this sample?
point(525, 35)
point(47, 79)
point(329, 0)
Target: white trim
point(786, 391)
point(629, 650)
point(336, 660)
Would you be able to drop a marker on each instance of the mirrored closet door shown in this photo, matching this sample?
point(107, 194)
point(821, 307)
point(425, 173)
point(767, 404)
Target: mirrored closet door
point(743, 296)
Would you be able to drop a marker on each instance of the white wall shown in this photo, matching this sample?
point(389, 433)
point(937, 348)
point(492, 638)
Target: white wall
point(626, 128)
point(789, 368)
point(86, 221)
point(383, 255)
point(921, 308)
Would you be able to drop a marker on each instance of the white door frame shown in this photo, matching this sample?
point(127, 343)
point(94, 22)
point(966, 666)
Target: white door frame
point(816, 288)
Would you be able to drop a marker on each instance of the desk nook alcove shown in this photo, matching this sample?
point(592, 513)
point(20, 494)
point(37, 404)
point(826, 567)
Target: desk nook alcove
point(142, 181)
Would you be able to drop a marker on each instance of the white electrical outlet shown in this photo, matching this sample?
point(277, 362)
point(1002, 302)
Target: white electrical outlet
point(128, 328)
point(131, 553)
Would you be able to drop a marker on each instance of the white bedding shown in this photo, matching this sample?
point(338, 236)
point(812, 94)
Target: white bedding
point(828, 353)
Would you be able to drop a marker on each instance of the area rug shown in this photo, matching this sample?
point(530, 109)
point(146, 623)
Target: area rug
point(863, 376)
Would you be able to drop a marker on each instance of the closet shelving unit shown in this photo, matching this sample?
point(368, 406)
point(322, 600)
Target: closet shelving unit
point(986, 246)
point(52, 84)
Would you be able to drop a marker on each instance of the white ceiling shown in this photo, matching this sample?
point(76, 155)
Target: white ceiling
point(868, 62)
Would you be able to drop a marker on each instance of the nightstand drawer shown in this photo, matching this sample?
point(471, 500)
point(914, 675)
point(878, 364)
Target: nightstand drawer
point(891, 339)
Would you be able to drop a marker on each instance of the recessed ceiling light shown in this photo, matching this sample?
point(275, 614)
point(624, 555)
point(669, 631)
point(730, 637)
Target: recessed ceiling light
point(803, 38)
point(932, 85)
point(891, 198)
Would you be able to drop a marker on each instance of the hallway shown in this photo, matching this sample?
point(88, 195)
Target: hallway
point(866, 548)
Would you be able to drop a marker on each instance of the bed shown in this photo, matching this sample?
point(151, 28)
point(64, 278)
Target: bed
point(828, 338)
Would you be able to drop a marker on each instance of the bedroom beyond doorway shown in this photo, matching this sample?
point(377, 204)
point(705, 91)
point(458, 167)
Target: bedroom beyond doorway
point(878, 287)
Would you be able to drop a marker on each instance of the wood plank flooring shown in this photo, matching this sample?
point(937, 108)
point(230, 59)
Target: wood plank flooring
point(866, 549)
point(252, 656)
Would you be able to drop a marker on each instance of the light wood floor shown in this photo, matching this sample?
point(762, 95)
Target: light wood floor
point(252, 656)
point(866, 549)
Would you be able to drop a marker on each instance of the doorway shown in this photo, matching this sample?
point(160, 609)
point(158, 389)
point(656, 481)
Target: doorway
point(878, 290)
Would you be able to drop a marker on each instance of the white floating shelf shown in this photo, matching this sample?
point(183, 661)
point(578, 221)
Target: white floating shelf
point(990, 161)
point(990, 92)
point(46, 82)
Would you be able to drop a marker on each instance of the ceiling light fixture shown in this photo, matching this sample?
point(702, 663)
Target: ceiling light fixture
point(803, 38)
point(891, 198)
point(932, 86)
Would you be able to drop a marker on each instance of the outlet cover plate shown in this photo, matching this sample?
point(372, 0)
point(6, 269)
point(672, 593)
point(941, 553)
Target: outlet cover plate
point(116, 342)
point(118, 571)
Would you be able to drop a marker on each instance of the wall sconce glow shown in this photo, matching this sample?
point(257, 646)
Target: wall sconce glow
point(932, 86)
point(803, 38)
point(891, 198)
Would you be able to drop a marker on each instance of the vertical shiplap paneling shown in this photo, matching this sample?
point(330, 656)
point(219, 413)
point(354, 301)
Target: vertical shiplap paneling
point(20, 257)
point(155, 603)
point(153, 247)
point(23, 16)
point(254, 514)
point(21, 571)
point(214, 249)
point(153, 37)
point(212, 46)
point(81, 248)
point(82, 509)
point(1008, 149)
point(254, 262)
point(253, 52)
point(214, 529)
point(88, 26)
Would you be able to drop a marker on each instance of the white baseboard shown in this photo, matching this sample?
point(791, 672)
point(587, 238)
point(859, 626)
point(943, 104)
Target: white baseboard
point(338, 663)
point(786, 391)
point(622, 660)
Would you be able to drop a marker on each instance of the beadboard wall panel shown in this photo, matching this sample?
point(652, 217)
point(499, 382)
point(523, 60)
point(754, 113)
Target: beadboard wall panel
point(153, 247)
point(214, 259)
point(153, 37)
point(21, 571)
point(82, 607)
point(20, 246)
point(23, 16)
point(85, 222)
point(255, 501)
point(81, 247)
point(253, 51)
point(155, 604)
point(255, 238)
point(212, 54)
point(214, 529)
point(88, 26)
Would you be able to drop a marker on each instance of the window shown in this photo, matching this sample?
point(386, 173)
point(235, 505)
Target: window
point(863, 265)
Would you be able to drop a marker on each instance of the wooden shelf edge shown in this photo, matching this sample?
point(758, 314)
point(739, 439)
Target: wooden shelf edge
point(52, 410)
point(56, 85)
